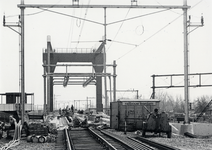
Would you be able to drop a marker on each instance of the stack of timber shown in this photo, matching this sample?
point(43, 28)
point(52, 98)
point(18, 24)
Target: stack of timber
point(36, 128)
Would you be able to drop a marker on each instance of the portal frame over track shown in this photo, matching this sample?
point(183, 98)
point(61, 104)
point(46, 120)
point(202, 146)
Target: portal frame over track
point(105, 6)
point(184, 7)
point(50, 60)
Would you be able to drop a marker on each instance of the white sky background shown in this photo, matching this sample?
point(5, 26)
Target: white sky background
point(163, 53)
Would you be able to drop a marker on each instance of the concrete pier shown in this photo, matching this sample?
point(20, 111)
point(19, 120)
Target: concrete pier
point(186, 128)
point(202, 129)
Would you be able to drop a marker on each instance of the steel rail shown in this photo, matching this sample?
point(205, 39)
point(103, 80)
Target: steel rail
point(117, 144)
point(108, 145)
point(135, 145)
point(131, 143)
point(155, 144)
point(68, 143)
point(63, 140)
point(83, 139)
point(60, 140)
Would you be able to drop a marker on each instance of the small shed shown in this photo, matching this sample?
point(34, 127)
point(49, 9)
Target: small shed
point(131, 113)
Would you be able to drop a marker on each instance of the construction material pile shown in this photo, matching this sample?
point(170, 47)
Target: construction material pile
point(41, 132)
point(37, 128)
point(80, 120)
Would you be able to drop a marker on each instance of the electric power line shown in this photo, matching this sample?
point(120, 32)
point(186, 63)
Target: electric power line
point(119, 29)
point(83, 24)
point(71, 30)
point(150, 37)
point(63, 14)
point(31, 14)
point(123, 43)
point(157, 31)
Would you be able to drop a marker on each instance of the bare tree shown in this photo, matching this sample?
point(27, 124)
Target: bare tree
point(166, 101)
point(200, 103)
point(179, 106)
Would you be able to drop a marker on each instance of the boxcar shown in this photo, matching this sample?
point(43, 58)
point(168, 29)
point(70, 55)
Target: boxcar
point(129, 114)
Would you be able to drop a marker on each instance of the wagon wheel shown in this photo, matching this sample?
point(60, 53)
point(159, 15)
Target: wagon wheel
point(29, 138)
point(169, 134)
point(143, 132)
point(41, 139)
point(144, 129)
point(34, 139)
point(1, 133)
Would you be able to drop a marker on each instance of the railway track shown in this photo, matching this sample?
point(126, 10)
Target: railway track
point(93, 139)
point(83, 139)
point(63, 141)
point(130, 143)
point(155, 144)
point(139, 139)
point(60, 143)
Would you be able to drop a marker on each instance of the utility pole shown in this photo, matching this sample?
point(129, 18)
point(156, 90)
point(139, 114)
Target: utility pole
point(105, 38)
point(44, 88)
point(186, 65)
point(114, 80)
point(187, 24)
point(21, 33)
point(22, 65)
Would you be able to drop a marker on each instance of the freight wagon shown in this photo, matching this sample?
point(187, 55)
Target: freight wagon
point(129, 114)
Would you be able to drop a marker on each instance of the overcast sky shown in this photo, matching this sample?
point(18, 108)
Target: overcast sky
point(152, 44)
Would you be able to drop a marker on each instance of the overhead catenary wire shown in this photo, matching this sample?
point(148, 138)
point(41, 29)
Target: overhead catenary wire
point(71, 30)
point(126, 19)
point(156, 32)
point(35, 13)
point(86, 11)
point(170, 9)
point(139, 16)
point(118, 30)
point(56, 12)
point(59, 13)
point(123, 43)
point(84, 41)
point(149, 37)
point(176, 12)
point(102, 23)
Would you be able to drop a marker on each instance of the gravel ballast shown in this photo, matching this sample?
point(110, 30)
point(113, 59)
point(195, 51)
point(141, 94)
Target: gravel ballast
point(181, 142)
point(185, 143)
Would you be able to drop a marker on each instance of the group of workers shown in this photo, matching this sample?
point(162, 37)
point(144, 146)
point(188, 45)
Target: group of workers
point(7, 128)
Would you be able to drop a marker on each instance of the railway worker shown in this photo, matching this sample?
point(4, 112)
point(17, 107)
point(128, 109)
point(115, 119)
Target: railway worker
point(12, 123)
point(156, 112)
point(1, 129)
point(7, 128)
point(157, 119)
point(84, 123)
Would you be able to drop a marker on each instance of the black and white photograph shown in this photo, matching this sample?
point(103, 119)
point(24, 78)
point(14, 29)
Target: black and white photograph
point(106, 74)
